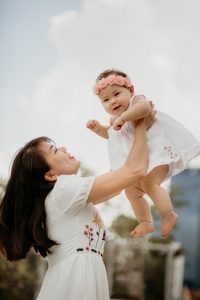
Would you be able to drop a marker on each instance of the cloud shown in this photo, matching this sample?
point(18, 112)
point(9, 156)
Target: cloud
point(4, 167)
point(156, 42)
point(6, 157)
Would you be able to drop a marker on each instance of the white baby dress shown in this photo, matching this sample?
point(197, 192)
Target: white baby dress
point(169, 143)
point(75, 268)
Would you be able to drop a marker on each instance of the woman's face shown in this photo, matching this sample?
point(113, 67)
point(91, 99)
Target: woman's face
point(59, 160)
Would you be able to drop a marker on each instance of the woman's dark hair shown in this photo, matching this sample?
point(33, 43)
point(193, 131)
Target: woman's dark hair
point(22, 210)
point(109, 72)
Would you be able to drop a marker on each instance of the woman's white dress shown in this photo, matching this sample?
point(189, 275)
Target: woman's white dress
point(75, 268)
point(169, 142)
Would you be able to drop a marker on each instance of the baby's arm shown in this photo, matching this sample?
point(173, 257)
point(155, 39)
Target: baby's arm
point(99, 129)
point(138, 110)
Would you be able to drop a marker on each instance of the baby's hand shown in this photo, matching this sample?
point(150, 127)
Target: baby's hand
point(118, 123)
point(93, 125)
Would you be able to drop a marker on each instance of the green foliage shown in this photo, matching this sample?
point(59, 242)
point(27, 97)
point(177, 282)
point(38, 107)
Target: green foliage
point(154, 275)
point(159, 240)
point(123, 225)
point(175, 194)
point(2, 188)
point(18, 280)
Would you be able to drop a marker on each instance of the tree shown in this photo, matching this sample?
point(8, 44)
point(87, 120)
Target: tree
point(123, 225)
point(2, 188)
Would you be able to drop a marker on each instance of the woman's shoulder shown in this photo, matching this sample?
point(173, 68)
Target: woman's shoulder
point(62, 180)
point(71, 191)
point(72, 182)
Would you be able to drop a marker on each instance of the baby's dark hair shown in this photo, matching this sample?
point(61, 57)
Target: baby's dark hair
point(109, 72)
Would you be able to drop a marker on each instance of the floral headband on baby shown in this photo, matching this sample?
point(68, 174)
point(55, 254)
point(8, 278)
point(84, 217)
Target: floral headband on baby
point(111, 80)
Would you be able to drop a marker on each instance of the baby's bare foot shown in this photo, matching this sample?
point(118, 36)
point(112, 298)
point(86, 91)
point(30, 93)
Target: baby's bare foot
point(168, 224)
point(141, 229)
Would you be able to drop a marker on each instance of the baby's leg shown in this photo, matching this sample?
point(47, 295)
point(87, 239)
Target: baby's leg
point(141, 210)
point(161, 199)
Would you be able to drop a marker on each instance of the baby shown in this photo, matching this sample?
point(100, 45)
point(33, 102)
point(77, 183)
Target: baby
point(171, 146)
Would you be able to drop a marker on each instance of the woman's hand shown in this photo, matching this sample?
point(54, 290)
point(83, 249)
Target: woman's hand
point(151, 117)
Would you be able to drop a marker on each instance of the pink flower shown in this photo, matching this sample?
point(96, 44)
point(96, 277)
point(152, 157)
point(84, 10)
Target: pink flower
point(111, 80)
point(120, 80)
point(127, 82)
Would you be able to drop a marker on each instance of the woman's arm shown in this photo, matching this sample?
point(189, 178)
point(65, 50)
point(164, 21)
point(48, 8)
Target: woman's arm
point(140, 109)
point(109, 185)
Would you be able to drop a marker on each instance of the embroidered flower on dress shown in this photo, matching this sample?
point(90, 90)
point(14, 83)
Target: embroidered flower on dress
point(88, 233)
point(103, 239)
point(171, 152)
point(95, 235)
point(97, 221)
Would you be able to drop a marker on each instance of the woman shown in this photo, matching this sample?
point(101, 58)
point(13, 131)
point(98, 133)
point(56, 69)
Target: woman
point(49, 207)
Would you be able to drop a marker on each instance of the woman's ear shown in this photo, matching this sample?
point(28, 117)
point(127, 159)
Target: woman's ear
point(132, 90)
point(49, 176)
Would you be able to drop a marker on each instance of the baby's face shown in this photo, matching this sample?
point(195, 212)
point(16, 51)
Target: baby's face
point(115, 99)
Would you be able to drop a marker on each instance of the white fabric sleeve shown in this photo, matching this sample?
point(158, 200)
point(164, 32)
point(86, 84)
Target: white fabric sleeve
point(72, 192)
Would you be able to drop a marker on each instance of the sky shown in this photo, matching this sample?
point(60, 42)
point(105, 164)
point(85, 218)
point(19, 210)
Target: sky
point(52, 51)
